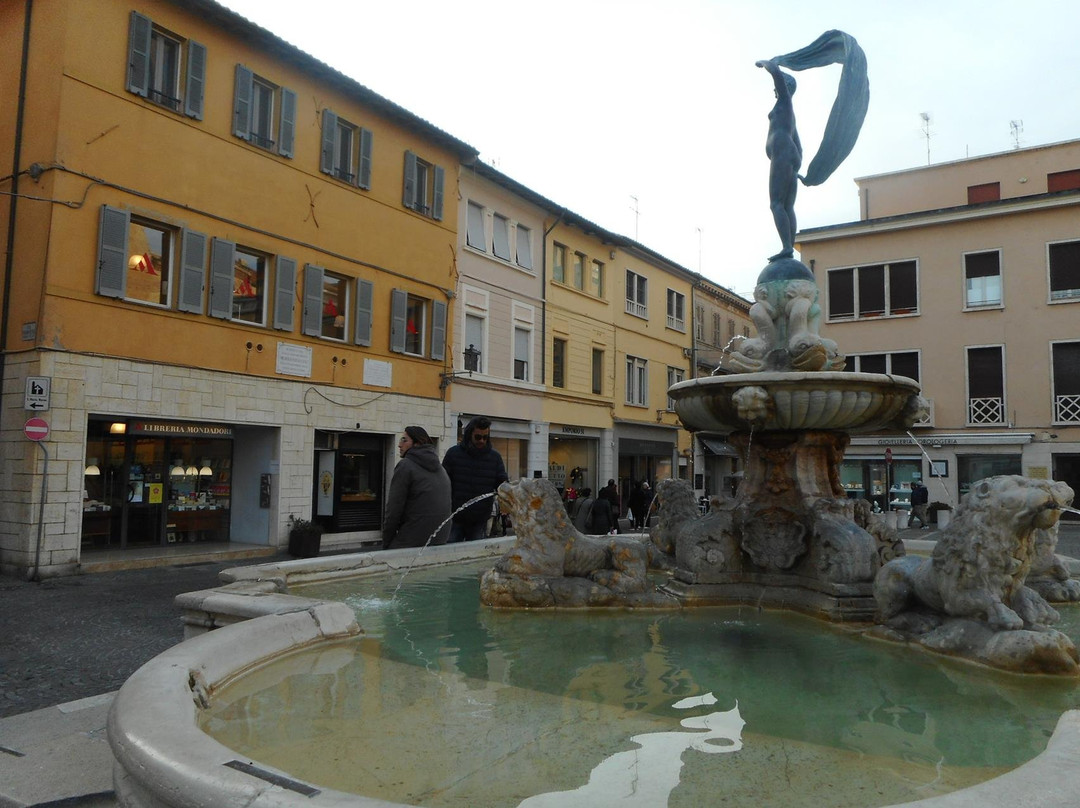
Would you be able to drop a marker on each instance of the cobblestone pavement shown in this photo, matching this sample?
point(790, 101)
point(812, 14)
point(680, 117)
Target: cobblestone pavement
point(70, 638)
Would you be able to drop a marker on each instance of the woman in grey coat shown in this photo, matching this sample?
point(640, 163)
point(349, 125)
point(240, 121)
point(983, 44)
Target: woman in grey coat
point(419, 499)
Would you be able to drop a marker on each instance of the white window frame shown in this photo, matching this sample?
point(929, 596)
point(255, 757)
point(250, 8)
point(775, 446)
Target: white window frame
point(170, 254)
point(1065, 409)
point(424, 305)
point(981, 282)
point(674, 376)
point(596, 278)
point(580, 260)
point(475, 230)
point(500, 237)
point(523, 240)
point(676, 310)
point(637, 381)
point(1061, 295)
point(637, 295)
point(476, 303)
point(886, 291)
point(1002, 405)
point(855, 361)
point(522, 318)
point(558, 250)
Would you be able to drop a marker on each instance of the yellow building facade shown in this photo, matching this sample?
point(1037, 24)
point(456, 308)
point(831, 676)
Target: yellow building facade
point(229, 283)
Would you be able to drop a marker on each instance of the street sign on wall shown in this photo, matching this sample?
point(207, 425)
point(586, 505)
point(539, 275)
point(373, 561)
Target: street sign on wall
point(36, 429)
point(37, 393)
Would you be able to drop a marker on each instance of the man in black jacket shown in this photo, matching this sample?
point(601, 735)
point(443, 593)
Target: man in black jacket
point(475, 468)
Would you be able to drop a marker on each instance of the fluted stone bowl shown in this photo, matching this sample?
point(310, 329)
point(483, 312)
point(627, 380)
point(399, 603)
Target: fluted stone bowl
point(829, 400)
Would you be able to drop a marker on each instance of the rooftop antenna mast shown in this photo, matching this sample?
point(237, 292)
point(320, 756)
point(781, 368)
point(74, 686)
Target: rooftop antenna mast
point(926, 133)
point(1017, 128)
point(637, 214)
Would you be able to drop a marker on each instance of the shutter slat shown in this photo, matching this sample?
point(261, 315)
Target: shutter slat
point(363, 175)
point(192, 272)
point(409, 190)
point(329, 137)
point(112, 252)
point(138, 80)
point(196, 80)
point(313, 284)
point(242, 93)
point(399, 306)
point(222, 256)
point(287, 133)
point(365, 292)
point(285, 293)
point(438, 330)
point(437, 200)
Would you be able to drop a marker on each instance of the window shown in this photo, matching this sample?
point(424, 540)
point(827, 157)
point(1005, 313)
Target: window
point(1066, 367)
point(524, 247)
point(718, 329)
point(637, 294)
point(1065, 270)
point(596, 279)
point(676, 310)
point(501, 236)
point(579, 270)
point(1063, 181)
point(558, 263)
point(522, 351)
point(896, 364)
point(558, 362)
point(674, 376)
point(150, 261)
point(326, 303)
point(987, 192)
point(423, 187)
point(699, 323)
point(263, 113)
point(986, 385)
point(872, 291)
point(637, 381)
point(161, 69)
point(346, 150)
point(474, 235)
point(597, 372)
point(474, 339)
point(982, 279)
point(417, 325)
point(237, 283)
point(972, 468)
point(730, 330)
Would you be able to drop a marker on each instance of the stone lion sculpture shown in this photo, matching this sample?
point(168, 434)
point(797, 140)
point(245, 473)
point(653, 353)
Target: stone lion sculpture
point(1049, 575)
point(981, 559)
point(676, 510)
point(551, 563)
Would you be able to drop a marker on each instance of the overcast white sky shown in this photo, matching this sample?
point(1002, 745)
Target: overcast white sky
point(592, 102)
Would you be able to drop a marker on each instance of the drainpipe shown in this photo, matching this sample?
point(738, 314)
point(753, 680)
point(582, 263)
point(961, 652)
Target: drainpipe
point(9, 259)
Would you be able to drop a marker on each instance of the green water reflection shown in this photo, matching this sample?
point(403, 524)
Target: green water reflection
point(793, 679)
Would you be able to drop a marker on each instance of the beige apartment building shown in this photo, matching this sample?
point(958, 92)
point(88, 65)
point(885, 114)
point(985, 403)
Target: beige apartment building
point(966, 277)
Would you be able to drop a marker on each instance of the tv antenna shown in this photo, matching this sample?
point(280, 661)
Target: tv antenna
point(926, 133)
point(637, 215)
point(1017, 128)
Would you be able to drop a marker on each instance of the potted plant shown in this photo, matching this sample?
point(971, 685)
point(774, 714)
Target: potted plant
point(305, 537)
point(939, 513)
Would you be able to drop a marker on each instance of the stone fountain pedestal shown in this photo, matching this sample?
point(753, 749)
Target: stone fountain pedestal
point(788, 540)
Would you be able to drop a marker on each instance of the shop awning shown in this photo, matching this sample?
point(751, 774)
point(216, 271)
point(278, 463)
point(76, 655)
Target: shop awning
point(718, 447)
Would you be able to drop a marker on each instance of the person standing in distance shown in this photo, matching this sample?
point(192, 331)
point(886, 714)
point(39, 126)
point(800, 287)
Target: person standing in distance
point(474, 468)
point(419, 498)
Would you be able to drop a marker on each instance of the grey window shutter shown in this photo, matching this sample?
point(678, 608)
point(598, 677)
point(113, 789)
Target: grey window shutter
point(313, 284)
point(192, 271)
point(244, 88)
point(112, 252)
point(437, 194)
point(399, 309)
point(138, 77)
point(365, 291)
point(285, 293)
point(222, 255)
point(438, 330)
point(329, 137)
point(196, 80)
point(364, 174)
point(287, 135)
point(409, 193)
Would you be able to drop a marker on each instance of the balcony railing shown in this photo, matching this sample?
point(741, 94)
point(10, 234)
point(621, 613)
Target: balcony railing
point(1067, 409)
point(986, 410)
point(637, 309)
point(676, 322)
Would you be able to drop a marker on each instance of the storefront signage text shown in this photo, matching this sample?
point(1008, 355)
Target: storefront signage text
point(188, 430)
point(573, 430)
point(909, 441)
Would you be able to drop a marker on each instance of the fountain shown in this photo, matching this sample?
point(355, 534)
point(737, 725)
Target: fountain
point(789, 540)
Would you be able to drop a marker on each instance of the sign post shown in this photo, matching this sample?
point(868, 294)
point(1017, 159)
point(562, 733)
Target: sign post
point(888, 479)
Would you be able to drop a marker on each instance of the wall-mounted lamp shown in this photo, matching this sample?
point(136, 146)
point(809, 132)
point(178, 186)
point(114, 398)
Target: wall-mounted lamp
point(92, 468)
point(472, 362)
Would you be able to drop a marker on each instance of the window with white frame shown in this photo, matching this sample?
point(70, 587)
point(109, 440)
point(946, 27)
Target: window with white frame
point(596, 279)
point(522, 352)
point(1064, 259)
point(982, 279)
point(637, 294)
point(165, 68)
point(1066, 369)
point(558, 263)
point(637, 381)
point(986, 385)
point(150, 260)
point(676, 310)
point(900, 363)
point(474, 341)
point(238, 282)
point(474, 234)
point(417, 325)
point(674, 376)
point(598, 371)
point(264, 113)
point(524, 247)
point(423, 186)
point(500, 228)
point(880, 290)
point(346, 150)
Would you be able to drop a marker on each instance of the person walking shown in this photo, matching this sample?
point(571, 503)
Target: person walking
point(610, 492)
point(640, 500)
point(601, 519)
point(419, 498)
point(474, 468)
point(920, 498)
point(583, 510)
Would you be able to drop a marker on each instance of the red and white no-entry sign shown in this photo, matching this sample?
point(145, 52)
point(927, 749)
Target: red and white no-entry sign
point(36, 429)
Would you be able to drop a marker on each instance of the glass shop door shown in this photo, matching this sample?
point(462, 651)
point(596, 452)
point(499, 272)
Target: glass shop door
point(144, 488)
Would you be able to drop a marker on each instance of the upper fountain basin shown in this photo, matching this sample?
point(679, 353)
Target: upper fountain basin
point(828, 400)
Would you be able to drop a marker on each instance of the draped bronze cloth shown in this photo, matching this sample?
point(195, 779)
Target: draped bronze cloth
point(852, 98)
